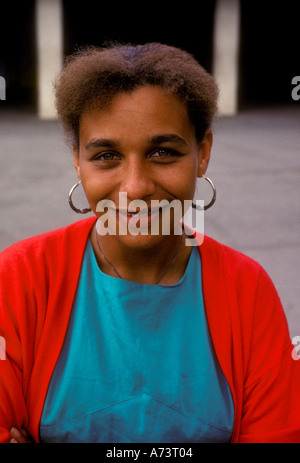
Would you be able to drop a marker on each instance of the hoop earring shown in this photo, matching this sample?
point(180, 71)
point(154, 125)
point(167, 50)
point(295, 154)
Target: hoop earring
point(213, 197)
point(79, 211)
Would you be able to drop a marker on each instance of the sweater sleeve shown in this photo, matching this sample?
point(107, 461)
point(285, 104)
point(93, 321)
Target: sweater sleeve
point(12, 402)
point(18, 321)
point(271, 402)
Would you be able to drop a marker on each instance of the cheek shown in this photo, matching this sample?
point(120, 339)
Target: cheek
point(182, 182)
point(96, 186)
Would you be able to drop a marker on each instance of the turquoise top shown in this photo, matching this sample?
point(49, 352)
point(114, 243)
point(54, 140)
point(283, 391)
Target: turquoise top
point(137, 365)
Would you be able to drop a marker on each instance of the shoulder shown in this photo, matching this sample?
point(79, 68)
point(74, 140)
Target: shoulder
point(221, 255)
point(242, 280)
point(240, 276)
point(43, 247)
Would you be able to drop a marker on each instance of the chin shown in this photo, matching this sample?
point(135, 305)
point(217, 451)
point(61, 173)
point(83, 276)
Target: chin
point(141, 242)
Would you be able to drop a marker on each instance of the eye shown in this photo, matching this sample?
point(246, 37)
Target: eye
point(108, 156)
point(163, 153)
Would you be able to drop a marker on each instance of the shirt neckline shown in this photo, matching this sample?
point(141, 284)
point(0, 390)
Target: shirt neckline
point(122, 281)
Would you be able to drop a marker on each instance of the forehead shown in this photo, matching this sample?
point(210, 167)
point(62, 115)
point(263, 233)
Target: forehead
point(144, 112)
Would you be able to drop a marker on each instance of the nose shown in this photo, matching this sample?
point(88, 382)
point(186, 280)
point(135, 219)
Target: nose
point(136, 180)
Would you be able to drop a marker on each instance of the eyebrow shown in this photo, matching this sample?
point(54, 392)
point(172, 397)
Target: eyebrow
point(155, 140)
point(100, 143)
point(165, 138)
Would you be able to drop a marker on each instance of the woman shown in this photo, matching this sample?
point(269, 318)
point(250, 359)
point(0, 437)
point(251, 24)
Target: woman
point(115, 333)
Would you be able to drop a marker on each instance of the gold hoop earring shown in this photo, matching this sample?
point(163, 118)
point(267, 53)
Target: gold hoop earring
point(79, 211)
point(212, 201)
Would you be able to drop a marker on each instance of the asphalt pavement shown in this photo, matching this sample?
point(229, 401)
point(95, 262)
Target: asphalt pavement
point(255, 166)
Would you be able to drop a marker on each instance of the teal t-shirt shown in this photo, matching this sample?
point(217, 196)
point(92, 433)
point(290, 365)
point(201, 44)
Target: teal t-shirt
point(137, 365)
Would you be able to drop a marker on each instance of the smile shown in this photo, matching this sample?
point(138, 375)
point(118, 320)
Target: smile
point(139, 214)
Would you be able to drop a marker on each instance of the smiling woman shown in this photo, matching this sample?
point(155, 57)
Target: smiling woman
point(155, 340)
point(142, 144)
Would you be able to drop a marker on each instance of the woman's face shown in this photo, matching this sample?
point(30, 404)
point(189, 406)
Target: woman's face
point(143, 145)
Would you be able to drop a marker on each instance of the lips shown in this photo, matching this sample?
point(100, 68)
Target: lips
point(137, 214)
point(143, 212)
point(141, 218)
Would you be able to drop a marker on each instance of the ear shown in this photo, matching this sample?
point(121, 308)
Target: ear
point(76, 160)
point(204, 152)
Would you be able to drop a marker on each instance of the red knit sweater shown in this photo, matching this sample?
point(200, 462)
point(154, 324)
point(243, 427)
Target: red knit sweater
point(38, 279)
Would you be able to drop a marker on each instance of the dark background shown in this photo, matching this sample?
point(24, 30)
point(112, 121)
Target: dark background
point(269, 45)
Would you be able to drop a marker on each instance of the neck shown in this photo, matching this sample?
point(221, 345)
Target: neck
point(162, 261)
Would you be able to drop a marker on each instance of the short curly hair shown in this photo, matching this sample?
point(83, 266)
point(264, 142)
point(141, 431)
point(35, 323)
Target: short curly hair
point(92, 76)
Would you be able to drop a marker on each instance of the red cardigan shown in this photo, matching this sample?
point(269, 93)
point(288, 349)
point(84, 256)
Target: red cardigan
point(248, 327)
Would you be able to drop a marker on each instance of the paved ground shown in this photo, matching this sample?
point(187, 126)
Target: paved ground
point(255, 166)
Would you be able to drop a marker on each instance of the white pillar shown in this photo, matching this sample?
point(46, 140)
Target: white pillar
point(226, 54)
point(49, 37)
